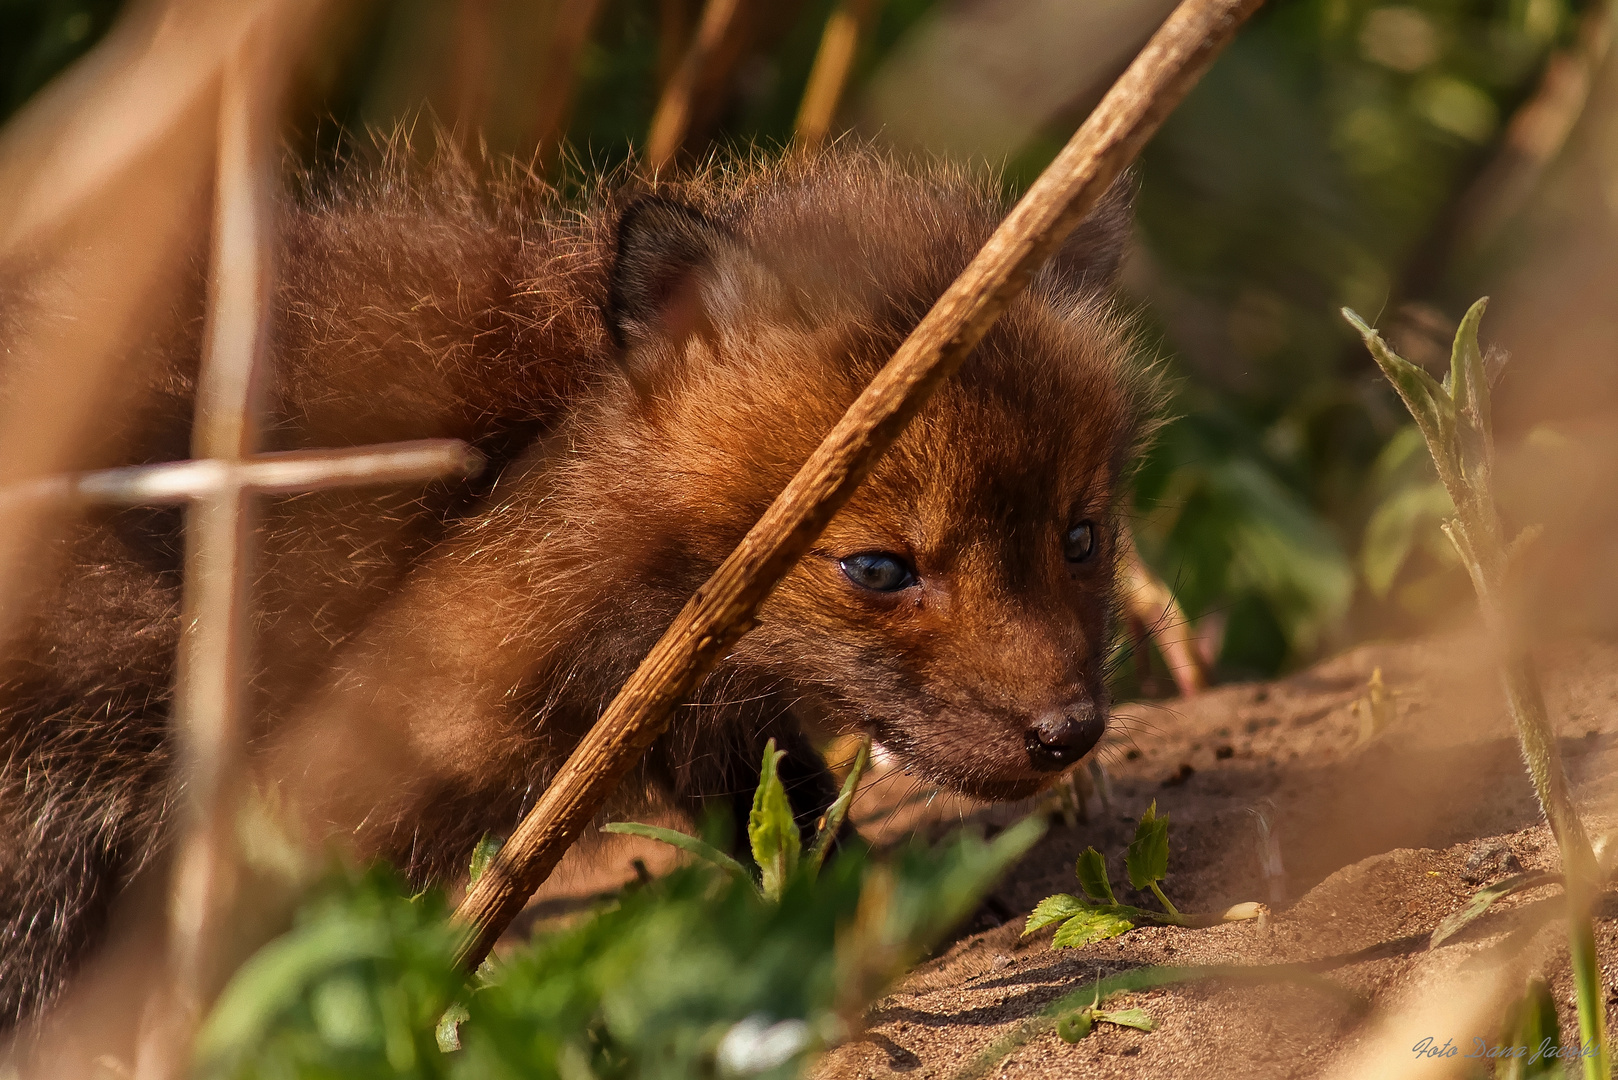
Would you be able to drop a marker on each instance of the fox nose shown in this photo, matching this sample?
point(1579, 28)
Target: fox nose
point(1061, 736)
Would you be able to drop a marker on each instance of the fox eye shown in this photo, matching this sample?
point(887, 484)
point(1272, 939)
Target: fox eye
point(879, 571)
point(1080, 542)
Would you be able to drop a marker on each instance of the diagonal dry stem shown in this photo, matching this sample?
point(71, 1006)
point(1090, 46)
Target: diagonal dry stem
point(726, 606)
point(828, 78)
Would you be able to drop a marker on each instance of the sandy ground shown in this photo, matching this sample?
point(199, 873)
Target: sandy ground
point(1381, 836)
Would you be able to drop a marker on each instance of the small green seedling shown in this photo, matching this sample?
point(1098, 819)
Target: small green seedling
point(1375, 709)
point(1455, 421)
point(1482, 900)
point(1530, 1045)
point(1076, 1025)
point(1100, 916)
point(772, 832)
point(1148, 859)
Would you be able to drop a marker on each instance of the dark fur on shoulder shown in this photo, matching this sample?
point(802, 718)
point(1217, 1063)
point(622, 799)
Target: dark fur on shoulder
point(645, 370)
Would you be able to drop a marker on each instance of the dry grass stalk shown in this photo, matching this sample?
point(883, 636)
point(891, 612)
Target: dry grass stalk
point(1535, 135)
point(134, 197)
point(725, 607)
point(570, 32)
point(839, 43)
point(1151, 611)
point(281, 473)
point(209, 721)
point(695, 75)
point(103, 172)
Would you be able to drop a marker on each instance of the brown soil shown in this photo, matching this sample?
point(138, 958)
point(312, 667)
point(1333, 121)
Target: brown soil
point(1376, 836)
point(1381, 836)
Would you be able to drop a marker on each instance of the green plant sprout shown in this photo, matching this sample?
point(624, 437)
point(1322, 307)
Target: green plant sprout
point(1454, 418)
point(1101, 916)
point(1530, 1044)
point(1077, 1024)
point(1482, 900)
point(772, 832)
point(1148, 978)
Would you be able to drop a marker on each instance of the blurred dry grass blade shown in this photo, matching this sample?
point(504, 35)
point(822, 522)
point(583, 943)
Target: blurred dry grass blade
point(724, 608)
point(209, 720)
point(980, 80)
point(1456, 1006)
point(570, 32)
point(829, 77)
point(701, 73)
point(284, 472)
point(104, 173)
point(1152, 611)
point(1535, 136)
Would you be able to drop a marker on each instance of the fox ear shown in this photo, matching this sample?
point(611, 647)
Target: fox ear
point(663, 247)
point(1087, 262)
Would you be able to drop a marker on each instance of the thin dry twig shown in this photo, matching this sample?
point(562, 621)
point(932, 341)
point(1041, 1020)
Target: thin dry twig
point(208, 706)
point(1152, 610)
point(280, 473)
point(839, 43)
point(698, 68)
point(727, 604)
point(102, 172)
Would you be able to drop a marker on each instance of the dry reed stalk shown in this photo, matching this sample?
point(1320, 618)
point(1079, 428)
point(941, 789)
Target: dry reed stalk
point(570, 32)
point(137, 205)
point(280, 473)
point(674, 25)
point(1150, 606)
point(700, 68)
point(209, 717)
point(727, 604)
point(839, 43)
point(1535, 134)
point(103, 171)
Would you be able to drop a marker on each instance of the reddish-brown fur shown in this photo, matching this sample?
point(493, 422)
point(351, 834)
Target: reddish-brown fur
point(428, 657)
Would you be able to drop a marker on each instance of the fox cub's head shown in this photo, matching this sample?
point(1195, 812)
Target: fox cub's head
point(959, 608)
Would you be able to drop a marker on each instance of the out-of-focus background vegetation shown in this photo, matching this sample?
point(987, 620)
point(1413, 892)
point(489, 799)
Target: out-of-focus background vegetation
point(1342, 152)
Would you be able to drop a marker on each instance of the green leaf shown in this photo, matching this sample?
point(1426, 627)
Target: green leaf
point(1139, 1019)
point(1092, 873)
point(270, 983)
point(1091, 924)
point(771, 828)
point(482, 855)
point(1054, 909)
point(1531, 1022)
point(1148, 859)
point(1075, 1025)
point(1484, 899)
point(686, 843)
point(1427, 401)
point(1391, 533)
point(835, 816)
point(1469, 386)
